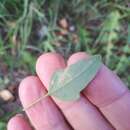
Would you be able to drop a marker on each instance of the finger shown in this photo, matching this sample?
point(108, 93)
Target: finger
point(109, 94)
point(18, 123)
point(81, 114)
point(43, 115)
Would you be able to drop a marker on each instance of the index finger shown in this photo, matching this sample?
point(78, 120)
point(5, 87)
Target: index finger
point(109, 94)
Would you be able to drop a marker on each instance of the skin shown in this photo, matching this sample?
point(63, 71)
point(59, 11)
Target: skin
point(103, 105)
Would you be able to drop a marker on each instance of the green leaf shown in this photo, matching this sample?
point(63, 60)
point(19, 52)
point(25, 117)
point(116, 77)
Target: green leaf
point(68, 83)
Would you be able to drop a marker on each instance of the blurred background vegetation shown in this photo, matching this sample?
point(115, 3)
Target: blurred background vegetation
point(29, 28)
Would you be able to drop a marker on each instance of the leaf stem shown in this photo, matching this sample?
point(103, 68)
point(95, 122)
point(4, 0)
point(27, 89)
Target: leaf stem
point(35, 102)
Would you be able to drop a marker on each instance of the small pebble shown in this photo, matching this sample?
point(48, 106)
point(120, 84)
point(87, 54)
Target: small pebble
point(6, 95)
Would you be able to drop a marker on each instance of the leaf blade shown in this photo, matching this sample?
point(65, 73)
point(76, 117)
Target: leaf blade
point(71, 81)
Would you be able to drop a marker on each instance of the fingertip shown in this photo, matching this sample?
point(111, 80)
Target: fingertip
point(47, 64)
point(16, 118)
point(49, 57)
point(18, 122)
point(26, 80)
point(77, 56)
point(11, 122)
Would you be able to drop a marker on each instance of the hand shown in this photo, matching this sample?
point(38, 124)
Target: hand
point(103, 105)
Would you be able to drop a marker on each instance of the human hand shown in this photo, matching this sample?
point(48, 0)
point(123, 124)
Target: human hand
point(103, 105)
